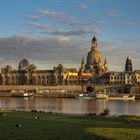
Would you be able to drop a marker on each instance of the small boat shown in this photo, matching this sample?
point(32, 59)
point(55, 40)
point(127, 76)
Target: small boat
point(115, 97)
point(22, 94)
point(85, 95)
point(27, 94)
point(101, 96)
point(121, 97)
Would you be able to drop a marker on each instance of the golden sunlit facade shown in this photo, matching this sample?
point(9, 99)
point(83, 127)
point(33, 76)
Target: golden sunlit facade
point(27, 74)
point(96, 64)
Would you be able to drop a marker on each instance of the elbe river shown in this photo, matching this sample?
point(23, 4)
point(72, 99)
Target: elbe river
point(70, 105)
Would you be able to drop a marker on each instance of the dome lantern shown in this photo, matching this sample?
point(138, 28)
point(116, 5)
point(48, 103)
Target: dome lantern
point(23, 64)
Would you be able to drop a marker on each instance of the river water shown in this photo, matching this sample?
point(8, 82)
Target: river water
point(69, 105)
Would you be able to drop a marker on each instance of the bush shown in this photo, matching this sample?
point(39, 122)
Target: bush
point(105, 112)
point(35, 111)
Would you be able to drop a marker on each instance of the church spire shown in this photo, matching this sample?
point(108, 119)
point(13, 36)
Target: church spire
point(83, 61)
point(94, 44)
point(94, 39)
point(82, 69)
point(105, 62)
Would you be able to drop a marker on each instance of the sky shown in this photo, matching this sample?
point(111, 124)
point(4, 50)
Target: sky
point(50, 32)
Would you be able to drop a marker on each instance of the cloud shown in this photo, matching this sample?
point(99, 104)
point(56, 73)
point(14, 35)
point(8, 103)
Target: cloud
point(63, 39)
point(33, 17)
point(83, 6)
point(75, 32)
point(83, 29)
point(39, 26)
point(57, 16)
point(80, 28)
point(113, 13)
point(48, 52)
point(27, 31)
point(117, 52)
point(51, 14)
point(127, 40)
point(126, 23)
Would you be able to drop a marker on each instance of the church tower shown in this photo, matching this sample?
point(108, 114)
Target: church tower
point(105, 65)
point(128, 65)
point(82, 68)
point(95, 62)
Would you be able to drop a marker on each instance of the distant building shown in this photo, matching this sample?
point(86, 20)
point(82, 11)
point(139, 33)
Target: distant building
point(121, 78)
point(94, 70)
point(72, 76)
point(135, 90)
point(95, 64)
point(128, 77)
point(27, 74)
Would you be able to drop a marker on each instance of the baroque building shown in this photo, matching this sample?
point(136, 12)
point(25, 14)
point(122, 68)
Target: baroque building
point(95, 64)
point(28, 74)
point(127, 77)
point(121, 78)
point(94, 70)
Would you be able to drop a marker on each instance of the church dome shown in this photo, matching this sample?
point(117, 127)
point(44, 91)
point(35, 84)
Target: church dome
point(32, 67)
point(60, 66)
point(8, 67)
point(95, 63)
point(23, 64)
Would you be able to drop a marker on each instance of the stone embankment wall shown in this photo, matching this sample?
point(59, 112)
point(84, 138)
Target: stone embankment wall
point(68, 89)
point(102, 87)
point(51, 91)
point(46, 91)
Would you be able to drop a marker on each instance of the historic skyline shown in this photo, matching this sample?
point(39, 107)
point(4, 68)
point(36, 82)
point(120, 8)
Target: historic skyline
point(59, 31)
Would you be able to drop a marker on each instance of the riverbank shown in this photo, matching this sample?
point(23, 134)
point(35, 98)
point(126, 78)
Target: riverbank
point(52, 126)
point(49, 95)
point(42, 95)
point(40, 91)
point(67, 91)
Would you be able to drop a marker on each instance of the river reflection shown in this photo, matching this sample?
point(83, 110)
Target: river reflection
point(67, 105)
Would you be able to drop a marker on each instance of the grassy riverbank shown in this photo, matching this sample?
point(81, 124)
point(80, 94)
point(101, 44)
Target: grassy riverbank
point(52, 126)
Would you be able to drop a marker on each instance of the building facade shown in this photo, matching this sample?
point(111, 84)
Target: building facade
point(94, 70)
point(27, 74)
point(127, 77)
point(121, 78)
point(135, 90)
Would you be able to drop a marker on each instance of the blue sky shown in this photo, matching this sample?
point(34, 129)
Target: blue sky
point(60, 31)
